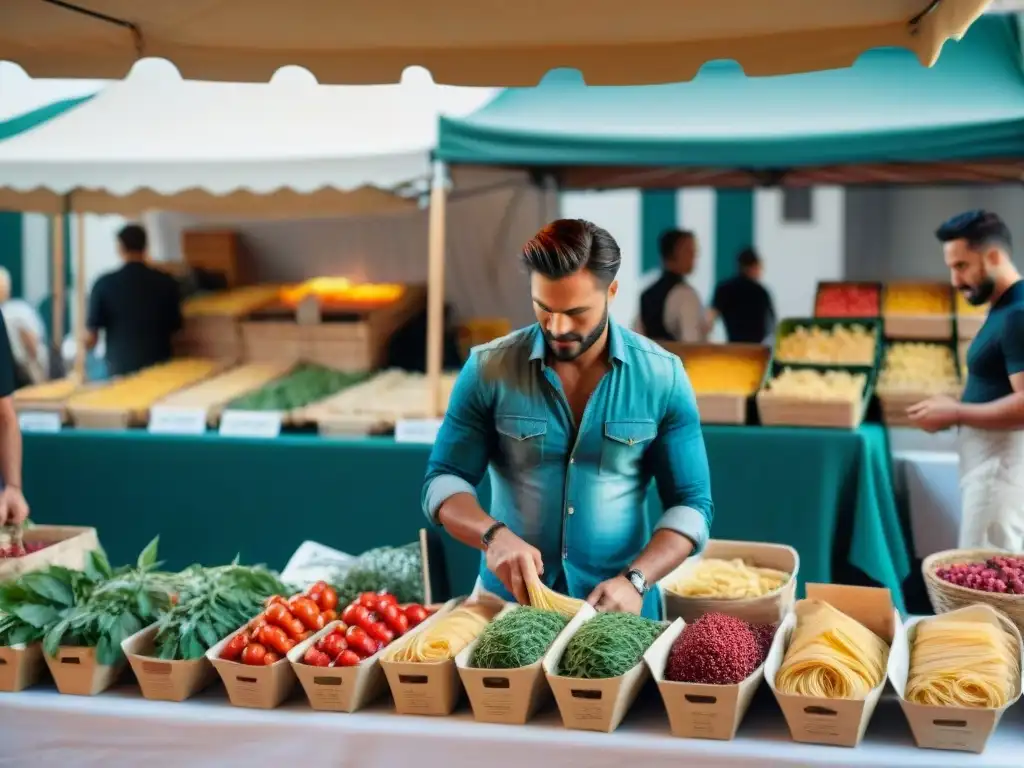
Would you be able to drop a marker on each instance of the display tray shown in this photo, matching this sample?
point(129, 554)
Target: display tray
point(919, 327)
point(866, 287)
point(789, 325)
point(721, 407)
point(790, 411)
point(894, 405)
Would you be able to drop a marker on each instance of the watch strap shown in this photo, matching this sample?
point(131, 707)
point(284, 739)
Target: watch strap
point(638, 580)
point(490, 533)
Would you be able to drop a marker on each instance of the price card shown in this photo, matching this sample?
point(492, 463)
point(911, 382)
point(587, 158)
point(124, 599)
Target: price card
point(251, 423)
point(39, 421)
point(417, 430)
point(177, 421)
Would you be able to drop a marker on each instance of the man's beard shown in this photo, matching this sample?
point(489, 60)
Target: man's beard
point(980, 294)
point(582, 343)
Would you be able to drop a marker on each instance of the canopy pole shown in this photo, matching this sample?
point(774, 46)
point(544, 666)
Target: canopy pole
point(57, 287)
point(80, 350)
point(435, 290)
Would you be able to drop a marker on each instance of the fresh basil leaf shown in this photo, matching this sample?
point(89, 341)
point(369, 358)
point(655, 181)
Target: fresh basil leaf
point(39, 616)
point(49, 588)
point(147, 558)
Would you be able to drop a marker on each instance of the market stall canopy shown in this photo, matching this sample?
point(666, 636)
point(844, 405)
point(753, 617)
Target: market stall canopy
point(886, 119)
point(279, 149)
point(468, 42)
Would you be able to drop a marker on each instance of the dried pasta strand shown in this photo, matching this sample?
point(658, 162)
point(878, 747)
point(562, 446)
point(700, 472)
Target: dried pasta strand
point(445, 638)
point(548, 600)
point(830, 655)
point(958, 662)
point(728, 579)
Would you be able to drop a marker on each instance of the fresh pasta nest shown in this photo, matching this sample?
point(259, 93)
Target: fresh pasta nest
point(444, 638)
point(831, 656)
point(733, 579)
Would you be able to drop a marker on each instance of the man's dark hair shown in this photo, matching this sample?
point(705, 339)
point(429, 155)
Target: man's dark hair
point(668, 240)
point(980, 229)
point(748, 258)
point(133, 238)
point(566, 246)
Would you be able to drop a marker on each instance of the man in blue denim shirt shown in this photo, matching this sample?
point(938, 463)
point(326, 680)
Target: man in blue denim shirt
point(574, 416)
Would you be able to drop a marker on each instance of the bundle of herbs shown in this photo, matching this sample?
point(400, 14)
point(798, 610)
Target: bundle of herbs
point(37, 600)
point(120, 602)
point(213, 603)
point(395, 570)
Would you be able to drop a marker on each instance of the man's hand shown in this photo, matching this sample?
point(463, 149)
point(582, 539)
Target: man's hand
point(935, 414)
point(617, 595)
point(514, 562)
point(13, 507)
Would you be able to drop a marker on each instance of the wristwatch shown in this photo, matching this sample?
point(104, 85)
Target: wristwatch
point(638, 580)
point(490, 533)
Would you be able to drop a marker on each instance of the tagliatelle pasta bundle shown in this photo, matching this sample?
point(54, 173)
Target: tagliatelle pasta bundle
point(728, 579)
point(446, 637)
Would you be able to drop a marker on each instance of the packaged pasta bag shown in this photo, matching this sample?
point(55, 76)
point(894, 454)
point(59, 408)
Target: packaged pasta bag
point(752, 581)
point(955, 675)
point(828, 663)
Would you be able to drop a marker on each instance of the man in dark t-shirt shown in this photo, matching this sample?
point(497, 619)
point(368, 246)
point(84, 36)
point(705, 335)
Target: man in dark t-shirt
point(13, 508)
point(743, 303)
point(990, 413)
point(136, 306)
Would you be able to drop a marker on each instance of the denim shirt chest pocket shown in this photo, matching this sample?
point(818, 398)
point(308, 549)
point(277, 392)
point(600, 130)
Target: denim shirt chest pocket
point(624, 445)
point(522, 440)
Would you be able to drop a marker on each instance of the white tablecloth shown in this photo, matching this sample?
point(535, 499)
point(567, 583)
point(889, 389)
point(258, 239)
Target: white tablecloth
point(931, 482)
point(40, 728)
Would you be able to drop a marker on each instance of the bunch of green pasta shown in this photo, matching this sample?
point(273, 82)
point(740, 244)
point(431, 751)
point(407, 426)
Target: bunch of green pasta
point(608, 645)
point(517, 639)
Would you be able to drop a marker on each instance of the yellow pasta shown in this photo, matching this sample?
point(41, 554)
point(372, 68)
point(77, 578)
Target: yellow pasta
point(830, 655)
point(59, 389)
point(549, 600)
point(446, 637)
point(958, 662)
point(728, 579)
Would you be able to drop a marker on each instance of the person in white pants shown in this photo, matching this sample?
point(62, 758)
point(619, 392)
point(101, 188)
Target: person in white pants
point(990, 413)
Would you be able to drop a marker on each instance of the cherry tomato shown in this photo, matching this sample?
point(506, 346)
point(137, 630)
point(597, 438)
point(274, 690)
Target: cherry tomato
point(316, 658)
point(306, 611)
point(348, 615)
point(270, 658)
point(330, 615)
point(319, 645)
point(354, 632)
point(379, 631)
point(347, 659)
point(357, 615)
point(401, 625)
point(279, 615)
point(253, 654)
point(369, 599)
point(333, 645)
point(341, 628)
point(416, 614)
point(234, 648)
point(276, 639)
point(275, 599)
point(366, 646)
point(387, 597)
point(328, 600)
point(296, 630)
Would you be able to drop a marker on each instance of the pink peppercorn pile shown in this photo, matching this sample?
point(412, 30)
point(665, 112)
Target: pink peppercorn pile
point(764, 633)
point(717, 650)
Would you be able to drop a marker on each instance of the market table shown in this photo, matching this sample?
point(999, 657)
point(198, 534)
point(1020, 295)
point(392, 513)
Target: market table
point(42, 728)
point(826, 492)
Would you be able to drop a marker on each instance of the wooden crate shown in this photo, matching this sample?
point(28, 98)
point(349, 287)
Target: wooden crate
point(219, 251)
point(723, 407)
point(937, 327)
point(213, 337)
point(776, 411)
point(353, 342)
point(825, 286)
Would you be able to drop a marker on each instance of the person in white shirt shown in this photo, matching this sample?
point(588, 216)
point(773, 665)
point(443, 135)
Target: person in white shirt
point(671, 309)
point(26, 333)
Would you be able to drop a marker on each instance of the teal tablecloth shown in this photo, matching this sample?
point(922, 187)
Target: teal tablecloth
point(826, 492)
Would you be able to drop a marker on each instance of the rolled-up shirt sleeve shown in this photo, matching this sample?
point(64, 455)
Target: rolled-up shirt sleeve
point(464, 443)
point(680, 465)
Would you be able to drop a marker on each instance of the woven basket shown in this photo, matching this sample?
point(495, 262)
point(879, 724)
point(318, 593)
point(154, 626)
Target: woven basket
point(946, 597)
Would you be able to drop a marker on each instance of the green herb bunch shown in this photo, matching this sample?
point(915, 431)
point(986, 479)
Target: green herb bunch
point(38, 600)
point(213, 603)
point(398, 570)
point(121, 602)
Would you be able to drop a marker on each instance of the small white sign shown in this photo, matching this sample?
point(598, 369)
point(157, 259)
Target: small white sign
point(417, 430)
point(177, 421)
point(250, 423)
point(39, 421)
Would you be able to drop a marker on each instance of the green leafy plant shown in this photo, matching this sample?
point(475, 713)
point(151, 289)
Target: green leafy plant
point(214, 602)
point(38, 600)
point(398, 570)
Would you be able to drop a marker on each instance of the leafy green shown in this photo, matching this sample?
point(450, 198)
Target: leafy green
point(304, 385)
point(398, 570)
point(36, 601)
point(214, 602)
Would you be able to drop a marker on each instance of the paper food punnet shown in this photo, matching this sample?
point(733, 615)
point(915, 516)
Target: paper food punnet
point(77, 673)
point(67, 545)
point(767, 609)
point(950, 728)
point(163, 679)
point(426, 688)
point(343, 689)
point(836, 722)
point(510, 696)
point(591, 705)
point(695, 710)
point(21, 666)
point(264, 687)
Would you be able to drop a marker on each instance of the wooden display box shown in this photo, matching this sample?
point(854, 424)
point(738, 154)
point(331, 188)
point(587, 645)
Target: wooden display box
point(69, 546)
point(894, 405)
point(219, 251)
point(784, 411)
point(937, 327)
point(249, 686)
point(162, 680)
point(354, 341)
point(77, 673)
point(722, 407)
point(824, 286)
point(210, 336)
point(790, 324)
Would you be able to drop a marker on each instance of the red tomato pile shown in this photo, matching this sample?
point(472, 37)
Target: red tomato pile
point(28, 548)
point(847, 301)
point(283, 624)
point(368, 623)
